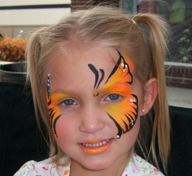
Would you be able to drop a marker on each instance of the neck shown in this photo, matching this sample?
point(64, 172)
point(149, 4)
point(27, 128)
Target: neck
point(115, 170)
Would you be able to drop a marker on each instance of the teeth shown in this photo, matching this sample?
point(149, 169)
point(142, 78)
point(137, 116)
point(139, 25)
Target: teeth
point(96, 144)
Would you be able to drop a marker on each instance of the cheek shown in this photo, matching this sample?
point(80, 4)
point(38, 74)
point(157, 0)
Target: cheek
point(54, 114)
point(65, 129)
point(129, 138)
point(117, 109)
point(124, 113)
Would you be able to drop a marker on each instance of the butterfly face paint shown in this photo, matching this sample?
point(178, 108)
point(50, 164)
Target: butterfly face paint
point(123, 113)
point(96, 85)
point(52, 101)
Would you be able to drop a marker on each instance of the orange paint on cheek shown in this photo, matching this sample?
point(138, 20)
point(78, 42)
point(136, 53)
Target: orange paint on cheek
point(123, 112)
point(54, 112)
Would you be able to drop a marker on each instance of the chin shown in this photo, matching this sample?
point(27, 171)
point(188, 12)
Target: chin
point(96, 165)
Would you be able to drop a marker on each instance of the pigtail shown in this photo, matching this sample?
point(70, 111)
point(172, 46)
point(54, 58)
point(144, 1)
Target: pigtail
point(158, 30)
point(32, 55)
point(36, 79)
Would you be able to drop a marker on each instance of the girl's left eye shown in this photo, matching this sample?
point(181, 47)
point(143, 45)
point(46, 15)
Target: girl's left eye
point(68, 102)
point(113, 97)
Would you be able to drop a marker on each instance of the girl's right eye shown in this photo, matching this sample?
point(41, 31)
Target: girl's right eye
point(113, 97)
point(69, 102)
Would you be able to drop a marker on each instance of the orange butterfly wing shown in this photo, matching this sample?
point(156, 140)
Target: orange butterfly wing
point(124, 113)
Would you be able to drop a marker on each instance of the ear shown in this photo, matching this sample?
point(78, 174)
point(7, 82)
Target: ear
point(150, 94)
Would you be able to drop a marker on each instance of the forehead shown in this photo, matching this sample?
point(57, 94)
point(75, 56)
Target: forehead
point(70, 69)
point(96, 55)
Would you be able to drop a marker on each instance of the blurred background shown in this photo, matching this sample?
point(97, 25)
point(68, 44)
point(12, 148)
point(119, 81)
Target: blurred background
point(20, 18)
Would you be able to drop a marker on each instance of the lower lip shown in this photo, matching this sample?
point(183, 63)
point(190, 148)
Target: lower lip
point(96, 150)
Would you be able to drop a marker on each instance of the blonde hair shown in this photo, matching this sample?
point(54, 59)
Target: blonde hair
point(143, 39)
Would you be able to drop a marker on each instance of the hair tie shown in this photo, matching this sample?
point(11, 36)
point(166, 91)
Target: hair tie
point(133, 21)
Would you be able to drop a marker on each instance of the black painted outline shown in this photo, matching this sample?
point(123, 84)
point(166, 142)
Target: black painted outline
point(128, 116)
point(95, 71)
point(51, 110)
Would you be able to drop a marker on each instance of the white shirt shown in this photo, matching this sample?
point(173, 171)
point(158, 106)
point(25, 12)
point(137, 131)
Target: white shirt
point(136, 167)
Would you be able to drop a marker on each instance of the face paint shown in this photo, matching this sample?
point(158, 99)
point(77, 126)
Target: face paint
point(54, 112)
point(96, 94)
point(94, 70)
point(57, 100)
point(53, 101)
point(95, 146)
point(123, 113)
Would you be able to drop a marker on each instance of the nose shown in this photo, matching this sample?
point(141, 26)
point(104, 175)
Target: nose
point(91, 120)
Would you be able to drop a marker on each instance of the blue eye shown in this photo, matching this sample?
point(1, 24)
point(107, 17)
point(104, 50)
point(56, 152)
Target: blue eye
point(68, 102)
point(113, 97)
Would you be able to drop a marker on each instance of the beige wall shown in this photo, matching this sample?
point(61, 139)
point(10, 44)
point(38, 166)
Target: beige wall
point(28, 20)
point(12, 31)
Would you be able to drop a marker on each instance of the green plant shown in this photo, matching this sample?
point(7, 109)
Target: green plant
point(185, 48)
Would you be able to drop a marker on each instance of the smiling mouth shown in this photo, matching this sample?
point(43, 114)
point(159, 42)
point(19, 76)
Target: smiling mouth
point(96, 146)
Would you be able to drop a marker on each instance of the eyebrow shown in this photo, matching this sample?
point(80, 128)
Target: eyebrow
point(117, 85)
point(60, 91)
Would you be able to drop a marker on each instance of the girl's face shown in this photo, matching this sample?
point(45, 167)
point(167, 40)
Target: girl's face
point(94, 106)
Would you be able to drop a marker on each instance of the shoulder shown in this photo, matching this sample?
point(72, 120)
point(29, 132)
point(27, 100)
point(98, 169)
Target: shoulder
point(42, 168)
point(138, 166)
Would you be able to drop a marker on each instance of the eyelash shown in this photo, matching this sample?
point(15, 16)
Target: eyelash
point(71, 101)
point(118, 98)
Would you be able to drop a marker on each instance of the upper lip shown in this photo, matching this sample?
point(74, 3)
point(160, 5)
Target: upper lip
point(95, 141)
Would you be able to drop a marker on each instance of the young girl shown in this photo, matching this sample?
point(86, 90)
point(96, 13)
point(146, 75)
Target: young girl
point(95, 76)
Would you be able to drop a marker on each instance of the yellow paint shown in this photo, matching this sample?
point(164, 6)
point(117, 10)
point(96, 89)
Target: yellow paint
point(96, 94)
point(118, 84)
point(56, 99)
